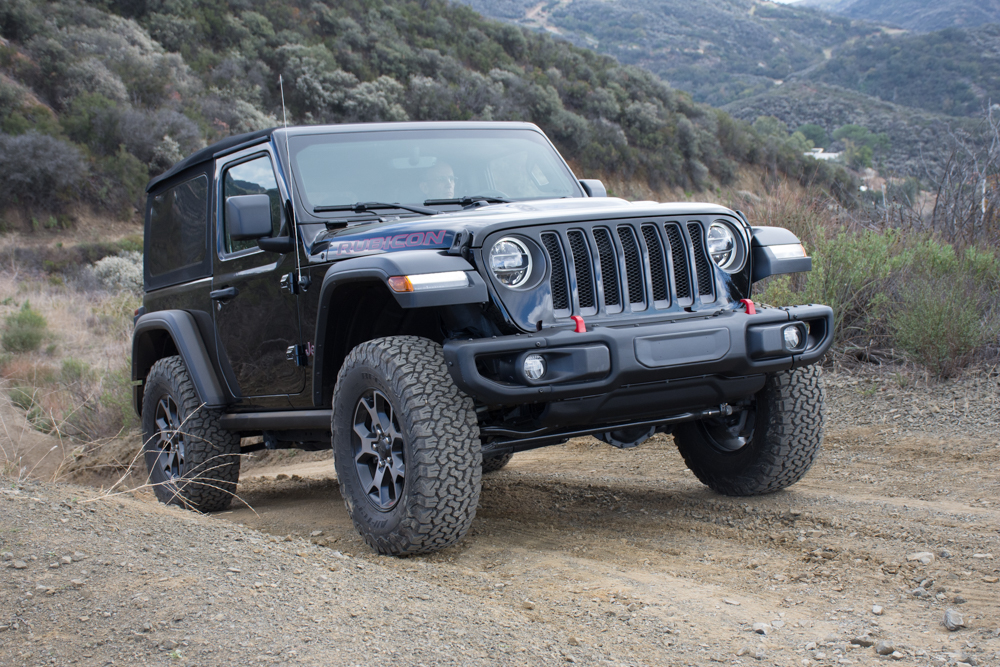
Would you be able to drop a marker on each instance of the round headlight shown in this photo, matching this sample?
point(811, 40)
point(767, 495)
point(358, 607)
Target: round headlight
point(724, 247)
point(510, 262)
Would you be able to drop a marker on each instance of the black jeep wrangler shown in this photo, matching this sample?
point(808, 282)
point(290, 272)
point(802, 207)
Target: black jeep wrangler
point(428, 299)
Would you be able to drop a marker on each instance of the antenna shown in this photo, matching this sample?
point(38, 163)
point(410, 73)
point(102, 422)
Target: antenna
point(291, 187)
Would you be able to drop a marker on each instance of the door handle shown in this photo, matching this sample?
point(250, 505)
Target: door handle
point(223, 294)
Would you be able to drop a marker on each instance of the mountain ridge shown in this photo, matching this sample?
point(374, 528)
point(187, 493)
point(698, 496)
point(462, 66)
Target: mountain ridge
point(916, 15)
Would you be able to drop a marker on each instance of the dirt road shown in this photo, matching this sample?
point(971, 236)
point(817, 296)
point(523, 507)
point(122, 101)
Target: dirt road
point(584, 553)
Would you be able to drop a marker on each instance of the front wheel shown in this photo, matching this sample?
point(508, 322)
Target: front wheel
point(765, 447)
point(406, 446)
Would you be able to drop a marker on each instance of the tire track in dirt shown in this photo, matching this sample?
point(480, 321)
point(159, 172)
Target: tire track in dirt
point(628, 554)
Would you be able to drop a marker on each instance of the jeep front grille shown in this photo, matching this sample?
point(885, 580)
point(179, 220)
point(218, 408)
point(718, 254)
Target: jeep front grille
point(645, 265)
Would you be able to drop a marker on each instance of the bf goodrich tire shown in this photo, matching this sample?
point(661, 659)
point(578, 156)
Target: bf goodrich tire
point(764, 449)
point(191, 461)
point(406, 446)
point(494, 463)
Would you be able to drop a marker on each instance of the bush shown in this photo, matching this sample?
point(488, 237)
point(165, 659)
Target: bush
point(120, 273)
point(38, 170)
point(913, 294)
point(941, 323)
point(122, 183)
point(24, 330)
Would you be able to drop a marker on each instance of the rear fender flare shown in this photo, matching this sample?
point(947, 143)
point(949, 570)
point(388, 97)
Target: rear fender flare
point(148, 345)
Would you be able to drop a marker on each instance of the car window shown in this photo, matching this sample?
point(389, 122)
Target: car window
point(253, 177)
point(414, 166)
point(178, 224)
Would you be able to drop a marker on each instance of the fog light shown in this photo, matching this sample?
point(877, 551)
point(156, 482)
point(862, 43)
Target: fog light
point(534, 367)
point(793, 337)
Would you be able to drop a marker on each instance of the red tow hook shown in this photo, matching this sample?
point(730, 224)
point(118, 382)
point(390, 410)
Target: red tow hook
point(749, 304)
point(580, 326)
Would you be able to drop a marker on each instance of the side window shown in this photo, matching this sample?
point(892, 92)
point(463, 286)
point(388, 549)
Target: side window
point(254, 177)
point(178, 227)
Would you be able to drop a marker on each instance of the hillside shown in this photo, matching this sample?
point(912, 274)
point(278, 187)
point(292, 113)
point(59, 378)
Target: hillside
point(953, 71)
point(919, 142)
point(717, 51)
point(747, 56)
point(94, 101)
point(916, 15)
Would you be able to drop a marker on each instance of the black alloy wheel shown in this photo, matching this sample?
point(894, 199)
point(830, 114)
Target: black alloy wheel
point(169, 439)
point(378, 447)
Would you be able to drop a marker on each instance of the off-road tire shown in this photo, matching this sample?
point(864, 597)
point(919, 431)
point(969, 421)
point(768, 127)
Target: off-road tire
point(494, 463)
point(785, 441)
point(204, 477)
point(440, 446)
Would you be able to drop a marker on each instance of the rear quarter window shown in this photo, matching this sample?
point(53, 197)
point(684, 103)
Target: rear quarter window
point(177, 233)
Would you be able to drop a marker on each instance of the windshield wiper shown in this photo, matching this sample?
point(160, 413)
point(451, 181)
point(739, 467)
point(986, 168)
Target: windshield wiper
point(362, 207)
point(468, 201)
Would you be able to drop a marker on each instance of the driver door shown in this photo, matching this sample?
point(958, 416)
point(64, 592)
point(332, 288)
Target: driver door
point(255, 321)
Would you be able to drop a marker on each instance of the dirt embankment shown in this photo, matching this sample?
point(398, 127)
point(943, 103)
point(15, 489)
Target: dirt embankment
point(580, 553)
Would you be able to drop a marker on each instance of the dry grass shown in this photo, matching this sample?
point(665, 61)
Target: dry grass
point(69, 393)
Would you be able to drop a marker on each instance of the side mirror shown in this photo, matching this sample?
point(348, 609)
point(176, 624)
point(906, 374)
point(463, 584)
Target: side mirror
point(248, 217)
point(593, 187)
point(280, 244)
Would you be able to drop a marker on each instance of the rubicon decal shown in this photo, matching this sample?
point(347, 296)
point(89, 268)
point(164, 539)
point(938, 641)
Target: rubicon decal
point(394, 242)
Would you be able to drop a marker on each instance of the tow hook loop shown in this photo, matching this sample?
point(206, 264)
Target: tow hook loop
point(749, 304)
point(580, 326)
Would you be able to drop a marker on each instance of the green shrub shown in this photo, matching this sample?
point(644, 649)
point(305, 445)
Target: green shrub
point(941, 322)
point(24, 330)
point(74, 371)
point(23, 398)
point(849, 275)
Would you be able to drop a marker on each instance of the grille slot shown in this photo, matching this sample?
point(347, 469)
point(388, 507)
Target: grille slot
point(609, 267)
point(657, 266)
point(633, 265)
point(678, 254)
point(584, 269)
point(559, 282)
point(704, 272)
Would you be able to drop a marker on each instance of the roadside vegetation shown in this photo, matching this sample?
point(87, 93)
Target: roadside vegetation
point(65, 339)
point(910, 277)
point(96, 98)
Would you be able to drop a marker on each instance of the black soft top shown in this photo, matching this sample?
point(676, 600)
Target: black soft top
point(209, 152)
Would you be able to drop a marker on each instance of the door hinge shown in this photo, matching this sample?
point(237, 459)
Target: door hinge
point(297, 354)
point(291, 284)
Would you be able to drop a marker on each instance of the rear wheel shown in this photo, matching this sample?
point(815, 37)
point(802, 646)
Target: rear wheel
point(191, 460)
point(406, 446)
point(765, 447)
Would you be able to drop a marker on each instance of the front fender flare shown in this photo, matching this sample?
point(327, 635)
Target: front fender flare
point(379, 268)
point(147, 347)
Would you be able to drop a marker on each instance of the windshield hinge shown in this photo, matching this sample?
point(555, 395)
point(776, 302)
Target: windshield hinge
point(462, 244)
point(292, 284)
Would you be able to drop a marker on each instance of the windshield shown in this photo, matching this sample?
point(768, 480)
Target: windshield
point(418, 166)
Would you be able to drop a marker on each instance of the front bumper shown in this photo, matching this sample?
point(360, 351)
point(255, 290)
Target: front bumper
point(720, 352)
